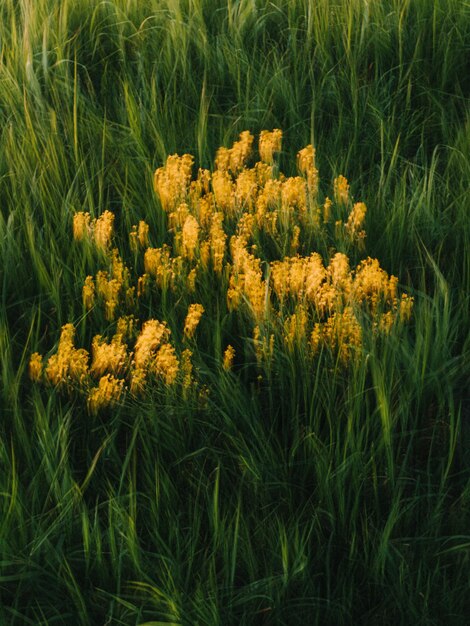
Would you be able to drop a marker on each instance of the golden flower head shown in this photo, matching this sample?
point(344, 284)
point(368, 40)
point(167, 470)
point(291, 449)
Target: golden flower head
point(103, 230)
point(193, 317)
point(152, 335)
point(81, 226)
point(190, 236)
point(108, 357)
point(341, 189)
point(166, 364)
point(35, 367)
point(107, 394)
point(88, 293)
point(229, 355)
point(269, 143)
point(172, 181)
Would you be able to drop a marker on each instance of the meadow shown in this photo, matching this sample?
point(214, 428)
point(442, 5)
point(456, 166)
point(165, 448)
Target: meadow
point(234, 320)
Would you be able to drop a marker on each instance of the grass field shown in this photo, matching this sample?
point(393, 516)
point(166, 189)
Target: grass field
point(284, 454)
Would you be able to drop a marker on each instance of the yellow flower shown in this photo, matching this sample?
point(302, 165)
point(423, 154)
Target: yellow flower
point(152, 335)
point(143, 233)
point(229, 355)
point(224, 193)
point(109, 290)
point(88, 293)
point(187, 369)
point(269, 143)
point(166, 363)
point(142, 285)
point(108, 357)
point(193, 317)
point(103, 230)
point(35, 367)
point(190, 237)
point(295, 327)
point(316, 338)
point(356, 221)
point(339, 273)
point(246, 189)
point(217, 239)
point(294, 193)
point(138, 380)
point(157, 264)
point(306, 164)
point(68, 365)
point(343, 333)
point(241, 150)
point(171, 182)
point(191, 280)
point(107, 394)
point(125, 327)
point(341, 190)
point(406, 307)
point(81, 226)
point(222, 159)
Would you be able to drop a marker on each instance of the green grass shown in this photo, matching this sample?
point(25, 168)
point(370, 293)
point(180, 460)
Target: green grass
point(317, 496)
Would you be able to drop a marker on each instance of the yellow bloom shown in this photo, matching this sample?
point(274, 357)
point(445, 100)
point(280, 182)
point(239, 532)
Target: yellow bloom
point(88, 293)
point(187, 369)
point(269, 143)
point(295, 327)
point(356, 221)
point(306, 164)
point(109, 290)
point(222, 159)
point(343, 333)
point(246, 189)
point(229, 355)
point(191, 280)
point(386, 322)
point(157, 264)
point(138, 380)
point(108, 357)
point(316, 338)
point(339, 273)
point(406, 307)
point(166, 364)
point(152, 335)
point(143, 233)
point(193, 317)
point(171, 182)
point(81, 226)
point(103, 230)
point(142, 285)
point(224, 192)
point(341, 190)
point(294, 193)
point(326, 210)
point(190, 237)
point(107, 394)
point(241, 151)
point(68, 365)
point(125, 327)
point(35, 367)
point(217, 239)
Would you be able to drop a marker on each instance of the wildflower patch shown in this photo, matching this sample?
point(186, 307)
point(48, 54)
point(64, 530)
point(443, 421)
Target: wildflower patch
point(224, 229)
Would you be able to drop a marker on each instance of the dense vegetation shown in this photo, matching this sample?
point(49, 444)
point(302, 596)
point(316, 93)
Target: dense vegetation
point(315, 478)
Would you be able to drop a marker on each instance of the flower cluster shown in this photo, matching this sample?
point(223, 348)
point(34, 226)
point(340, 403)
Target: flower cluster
point(223, 227)
point(126, 362)
point(99, 230)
